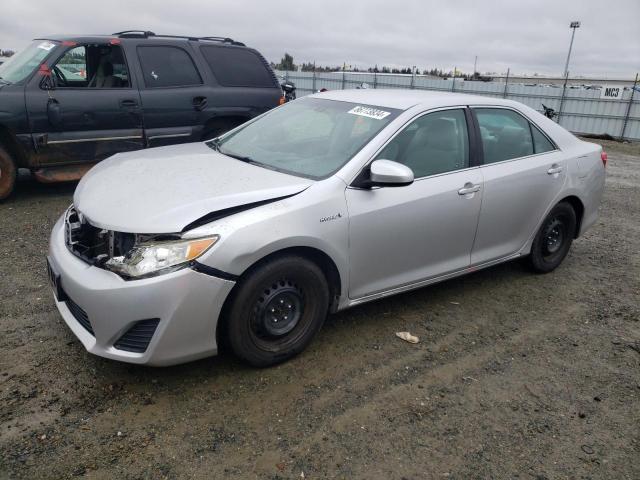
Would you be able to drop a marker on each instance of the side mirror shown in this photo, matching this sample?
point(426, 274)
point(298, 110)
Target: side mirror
point(288, 87)
point(387, 173)
point(48, 82)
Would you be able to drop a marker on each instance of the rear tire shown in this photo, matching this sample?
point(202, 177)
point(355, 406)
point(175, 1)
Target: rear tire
point(8, 174)
point(277, 310)
point(553, 240)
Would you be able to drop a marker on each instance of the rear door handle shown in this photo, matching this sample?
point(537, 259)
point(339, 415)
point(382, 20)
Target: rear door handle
point(554, 169)
point(199, 103)
point(468, 188)
point(128, 104)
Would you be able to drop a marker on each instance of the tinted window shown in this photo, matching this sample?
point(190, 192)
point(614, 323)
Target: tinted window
point(167, 67)
point(434, 143)
point(505, 134)
point(237, 67)
point(541, 143)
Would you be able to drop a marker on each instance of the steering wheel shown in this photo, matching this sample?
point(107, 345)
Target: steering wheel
point(59, 77)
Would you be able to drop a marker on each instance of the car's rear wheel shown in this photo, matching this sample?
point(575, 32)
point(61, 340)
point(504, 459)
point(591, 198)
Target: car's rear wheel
point(276, 310)
point(553, 240)
point(8, 174)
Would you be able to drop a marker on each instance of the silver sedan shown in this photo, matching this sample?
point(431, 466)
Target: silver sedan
point(326, 202)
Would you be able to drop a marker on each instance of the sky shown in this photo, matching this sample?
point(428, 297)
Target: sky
point(525, 36)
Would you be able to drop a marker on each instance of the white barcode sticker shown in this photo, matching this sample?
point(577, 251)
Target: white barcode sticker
point(46, 46)
point(369, 112)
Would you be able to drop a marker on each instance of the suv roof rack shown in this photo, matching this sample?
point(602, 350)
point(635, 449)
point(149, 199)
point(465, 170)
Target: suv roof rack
point(147, 34)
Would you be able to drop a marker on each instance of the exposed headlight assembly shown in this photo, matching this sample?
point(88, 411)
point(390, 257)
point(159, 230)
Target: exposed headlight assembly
point(148, 259)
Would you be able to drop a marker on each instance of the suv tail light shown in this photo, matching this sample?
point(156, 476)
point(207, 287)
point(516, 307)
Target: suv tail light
point(604, 158)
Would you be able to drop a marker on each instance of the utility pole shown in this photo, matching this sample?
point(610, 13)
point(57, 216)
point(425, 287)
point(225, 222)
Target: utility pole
point(572, 26)
point(475, 63)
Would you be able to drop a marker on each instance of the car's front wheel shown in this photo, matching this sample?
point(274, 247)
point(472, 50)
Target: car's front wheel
point(553, 240)
point(277, 309)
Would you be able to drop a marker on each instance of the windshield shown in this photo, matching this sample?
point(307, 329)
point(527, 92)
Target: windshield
point(20, 66)
point(309, 137)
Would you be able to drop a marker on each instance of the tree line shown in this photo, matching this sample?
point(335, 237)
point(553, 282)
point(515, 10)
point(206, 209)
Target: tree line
point(6, 53)
point(287, 64)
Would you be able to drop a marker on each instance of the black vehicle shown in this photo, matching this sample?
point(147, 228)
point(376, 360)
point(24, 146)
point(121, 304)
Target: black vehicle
point(69, 102)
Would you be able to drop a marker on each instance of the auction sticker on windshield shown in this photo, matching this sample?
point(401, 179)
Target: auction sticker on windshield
point(369, 112)
point(46, 46)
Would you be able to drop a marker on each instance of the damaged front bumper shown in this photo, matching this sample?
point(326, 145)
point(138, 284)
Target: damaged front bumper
point(162, 320)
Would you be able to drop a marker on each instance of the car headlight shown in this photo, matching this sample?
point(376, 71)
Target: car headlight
point(157, 257)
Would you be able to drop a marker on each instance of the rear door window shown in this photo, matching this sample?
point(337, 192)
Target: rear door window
point(237, 67)
point(165, 66)
point(541, 143)
point(505, 134)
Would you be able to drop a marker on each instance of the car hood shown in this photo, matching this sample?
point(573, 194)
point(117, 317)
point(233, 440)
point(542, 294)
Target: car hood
point(162, 190)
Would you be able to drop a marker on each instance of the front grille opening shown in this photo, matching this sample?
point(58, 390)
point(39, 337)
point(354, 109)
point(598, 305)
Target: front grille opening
point(137, 338)
point(80, 315)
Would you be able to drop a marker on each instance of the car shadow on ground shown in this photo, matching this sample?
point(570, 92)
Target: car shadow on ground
point(28, 189)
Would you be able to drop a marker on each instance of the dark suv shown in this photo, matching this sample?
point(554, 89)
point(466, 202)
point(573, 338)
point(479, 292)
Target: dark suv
point(69, 102)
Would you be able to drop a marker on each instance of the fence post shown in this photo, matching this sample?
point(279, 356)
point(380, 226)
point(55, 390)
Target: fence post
point(564, 89)
point(343, 79)
point(314, 78)
point(506, 84)
point(626, 117)
point(413, 78)
point(375, 79)
point(286, 75)
point(453, 84)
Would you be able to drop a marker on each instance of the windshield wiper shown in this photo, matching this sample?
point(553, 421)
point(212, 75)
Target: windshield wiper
point(242, 158)
point(215, 143)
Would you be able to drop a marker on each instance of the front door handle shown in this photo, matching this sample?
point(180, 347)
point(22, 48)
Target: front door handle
point(199, 103)
point(469, 188)
point(554, 169)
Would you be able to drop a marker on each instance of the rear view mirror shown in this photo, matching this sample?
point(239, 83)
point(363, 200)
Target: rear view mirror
point(387, 173)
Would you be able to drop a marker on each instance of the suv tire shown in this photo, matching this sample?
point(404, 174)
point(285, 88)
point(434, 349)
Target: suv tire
point(8, 174)
point(277, 310)
point(553, 240)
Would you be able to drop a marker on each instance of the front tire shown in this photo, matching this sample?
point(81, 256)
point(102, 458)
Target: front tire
point(8, 174)
point(553, 240)
point(277, 310)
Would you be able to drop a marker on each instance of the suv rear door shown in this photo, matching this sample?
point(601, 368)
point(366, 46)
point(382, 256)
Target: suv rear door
point(93, 109)
point(174, 96)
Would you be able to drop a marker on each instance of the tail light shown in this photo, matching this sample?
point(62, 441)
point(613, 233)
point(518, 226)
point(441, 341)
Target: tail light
point(604, 158)
point(281, 101)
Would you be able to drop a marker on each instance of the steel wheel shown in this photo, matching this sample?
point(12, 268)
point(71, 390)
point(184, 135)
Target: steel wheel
point(553, 240)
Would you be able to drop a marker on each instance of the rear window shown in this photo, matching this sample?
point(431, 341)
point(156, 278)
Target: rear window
point(167, 67)
point(237, 67)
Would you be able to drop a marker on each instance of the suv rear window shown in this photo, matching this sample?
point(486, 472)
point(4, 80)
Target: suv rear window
point(237, 67)
point(167, 67)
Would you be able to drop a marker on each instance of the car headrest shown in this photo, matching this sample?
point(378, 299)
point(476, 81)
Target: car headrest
point(442, 134)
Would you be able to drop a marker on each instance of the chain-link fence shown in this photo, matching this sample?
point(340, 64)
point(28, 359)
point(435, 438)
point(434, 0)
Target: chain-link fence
point(580, 110)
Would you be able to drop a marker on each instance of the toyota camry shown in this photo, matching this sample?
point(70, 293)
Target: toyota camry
point(326, 202)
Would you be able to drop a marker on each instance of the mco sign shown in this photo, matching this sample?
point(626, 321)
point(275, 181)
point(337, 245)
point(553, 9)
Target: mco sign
point(612, 92)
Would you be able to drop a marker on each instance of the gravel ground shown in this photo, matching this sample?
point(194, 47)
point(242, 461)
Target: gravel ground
point(517, 375)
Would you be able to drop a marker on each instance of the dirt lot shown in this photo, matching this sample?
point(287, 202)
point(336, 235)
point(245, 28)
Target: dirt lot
point(517, 376)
